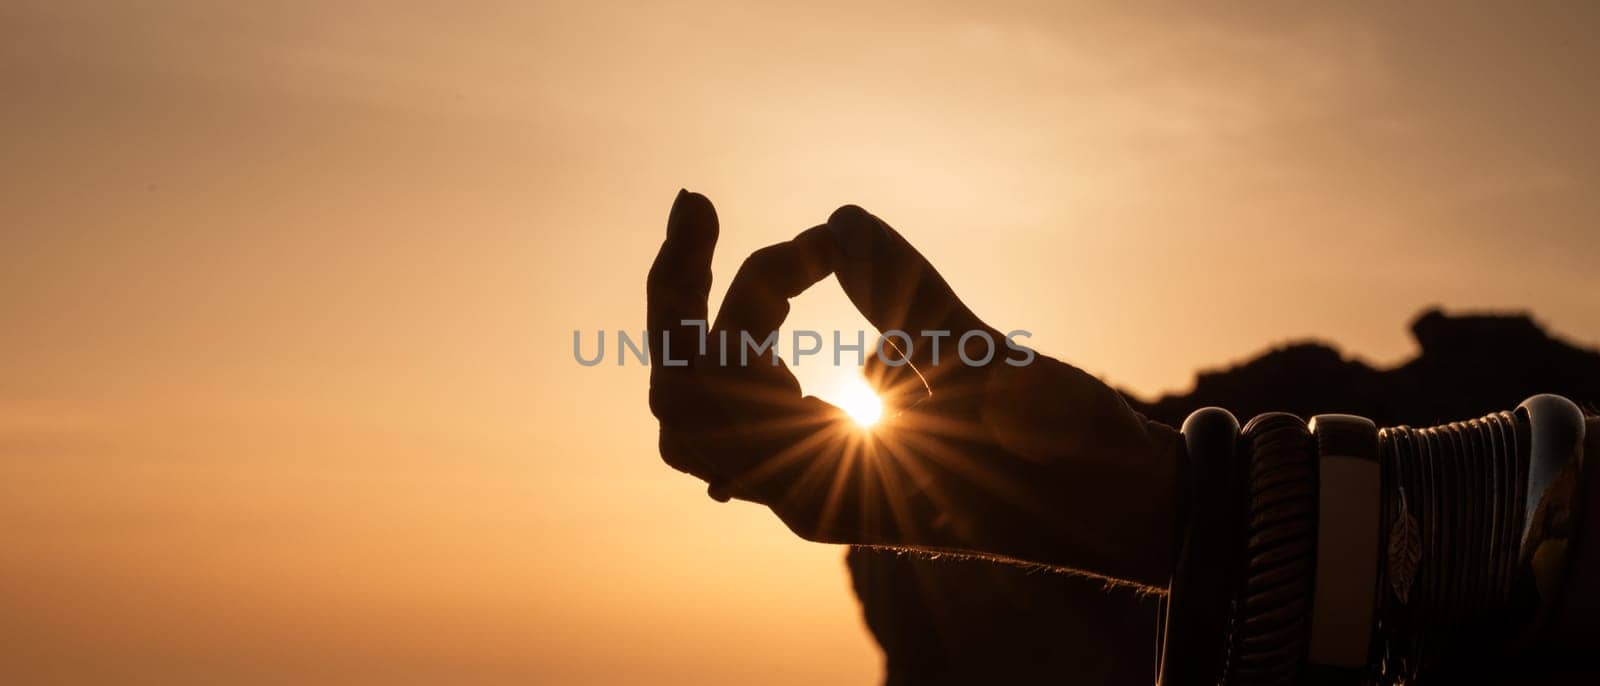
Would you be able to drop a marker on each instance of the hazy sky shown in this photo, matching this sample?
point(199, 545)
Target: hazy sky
point(287, 291)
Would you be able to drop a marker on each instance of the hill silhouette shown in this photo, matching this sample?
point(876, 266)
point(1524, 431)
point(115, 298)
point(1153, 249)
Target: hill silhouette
point(950, 620)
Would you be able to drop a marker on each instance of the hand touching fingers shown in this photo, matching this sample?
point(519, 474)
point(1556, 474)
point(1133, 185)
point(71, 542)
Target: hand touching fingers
point(1040, 463)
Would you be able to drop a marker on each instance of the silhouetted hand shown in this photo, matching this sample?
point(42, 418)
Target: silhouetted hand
point(1039, 463)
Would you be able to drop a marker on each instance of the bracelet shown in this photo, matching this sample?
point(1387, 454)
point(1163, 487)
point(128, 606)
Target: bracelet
point(1336, 552)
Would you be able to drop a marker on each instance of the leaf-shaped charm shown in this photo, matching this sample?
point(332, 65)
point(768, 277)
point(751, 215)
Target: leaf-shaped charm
point(1405, 551)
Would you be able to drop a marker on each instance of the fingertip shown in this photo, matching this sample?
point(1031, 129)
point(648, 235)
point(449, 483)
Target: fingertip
point(819, 243)
point(854, 229)
point(693, 218)
point(848, 214)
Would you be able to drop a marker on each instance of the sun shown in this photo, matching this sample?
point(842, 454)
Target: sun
point(858, 400)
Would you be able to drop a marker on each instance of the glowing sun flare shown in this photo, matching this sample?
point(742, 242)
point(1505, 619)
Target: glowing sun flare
point(858, 400)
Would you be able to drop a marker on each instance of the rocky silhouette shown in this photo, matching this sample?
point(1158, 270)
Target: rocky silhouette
point(949, 620)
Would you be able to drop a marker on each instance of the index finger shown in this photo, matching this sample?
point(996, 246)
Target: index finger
point(676, 290)
point(757, 301)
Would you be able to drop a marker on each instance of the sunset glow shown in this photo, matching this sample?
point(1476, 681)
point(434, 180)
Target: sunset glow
point(288, 382)
point(855, 397)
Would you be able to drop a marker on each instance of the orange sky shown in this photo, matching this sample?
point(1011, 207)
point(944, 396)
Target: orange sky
point(286, 386)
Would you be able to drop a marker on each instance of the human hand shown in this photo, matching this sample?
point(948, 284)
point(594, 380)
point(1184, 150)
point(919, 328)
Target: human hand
point(1040, 463)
